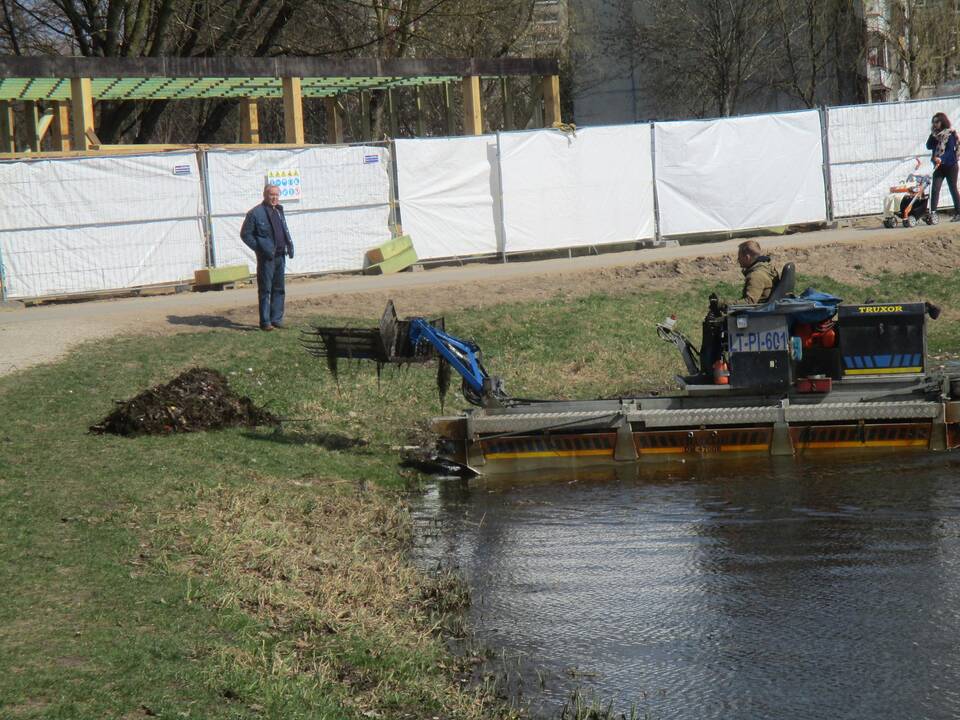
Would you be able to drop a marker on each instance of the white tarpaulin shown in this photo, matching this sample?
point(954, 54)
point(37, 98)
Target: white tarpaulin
point(449, 191)
point(343, 210)
point(873, 147)
point(85, 224)
point(739, 173)
point(591, 187)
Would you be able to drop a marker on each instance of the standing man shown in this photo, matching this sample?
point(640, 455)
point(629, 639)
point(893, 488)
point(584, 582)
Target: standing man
point(265, 232)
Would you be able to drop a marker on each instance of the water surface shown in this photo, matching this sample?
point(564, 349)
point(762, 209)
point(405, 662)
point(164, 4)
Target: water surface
point(770, 589)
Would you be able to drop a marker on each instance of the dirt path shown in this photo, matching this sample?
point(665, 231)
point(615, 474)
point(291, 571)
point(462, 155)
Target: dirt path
point(41, 334)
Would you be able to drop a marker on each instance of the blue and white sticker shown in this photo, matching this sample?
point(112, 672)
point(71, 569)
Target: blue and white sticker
point(371, 159)
point(181, 170)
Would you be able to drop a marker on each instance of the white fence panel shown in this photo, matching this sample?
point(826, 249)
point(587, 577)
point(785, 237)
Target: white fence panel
point(343, 211)
point(76, 225)
point(740, 173)
point(591, 187)
point(874, 146)
point(449, 192)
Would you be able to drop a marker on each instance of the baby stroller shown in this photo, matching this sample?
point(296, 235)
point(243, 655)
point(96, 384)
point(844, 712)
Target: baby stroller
point(909, 202)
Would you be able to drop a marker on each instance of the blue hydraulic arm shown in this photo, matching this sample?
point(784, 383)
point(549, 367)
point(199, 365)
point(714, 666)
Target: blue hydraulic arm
point(464, 357)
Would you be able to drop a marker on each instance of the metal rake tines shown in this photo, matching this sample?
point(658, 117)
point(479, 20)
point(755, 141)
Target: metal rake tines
point(349, 343)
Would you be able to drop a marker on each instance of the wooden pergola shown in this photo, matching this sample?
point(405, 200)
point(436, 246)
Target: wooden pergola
point(69, 86)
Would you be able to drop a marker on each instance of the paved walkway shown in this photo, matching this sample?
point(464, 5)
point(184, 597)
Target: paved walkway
point(33, 335)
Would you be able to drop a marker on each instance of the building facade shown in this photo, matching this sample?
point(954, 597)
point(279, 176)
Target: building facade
point(886, 50)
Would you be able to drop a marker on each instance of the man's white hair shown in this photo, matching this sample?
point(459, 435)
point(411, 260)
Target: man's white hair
point(266, 188)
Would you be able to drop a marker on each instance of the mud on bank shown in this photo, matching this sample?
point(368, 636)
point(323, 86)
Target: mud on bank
point(934, 251)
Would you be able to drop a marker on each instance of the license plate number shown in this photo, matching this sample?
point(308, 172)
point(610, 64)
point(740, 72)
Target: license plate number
point(764, 341)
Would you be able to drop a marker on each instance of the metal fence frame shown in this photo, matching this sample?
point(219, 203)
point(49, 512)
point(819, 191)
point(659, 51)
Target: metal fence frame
point(211, 240)
point(825, 123)
point(396, 201)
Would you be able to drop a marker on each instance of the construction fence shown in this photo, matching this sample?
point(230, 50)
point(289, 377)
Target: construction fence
point(89, 224)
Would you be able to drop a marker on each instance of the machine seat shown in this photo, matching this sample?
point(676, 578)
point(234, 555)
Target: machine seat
point(786, 284)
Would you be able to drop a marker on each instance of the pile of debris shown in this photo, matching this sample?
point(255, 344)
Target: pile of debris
point(199, 399)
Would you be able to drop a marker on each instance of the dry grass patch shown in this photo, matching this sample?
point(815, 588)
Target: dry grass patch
point(326, 569)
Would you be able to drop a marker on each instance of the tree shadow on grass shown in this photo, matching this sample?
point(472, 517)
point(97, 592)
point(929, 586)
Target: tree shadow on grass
point(326, 440)
point(212, 321)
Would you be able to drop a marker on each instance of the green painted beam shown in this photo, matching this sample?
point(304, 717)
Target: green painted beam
point(185, 88)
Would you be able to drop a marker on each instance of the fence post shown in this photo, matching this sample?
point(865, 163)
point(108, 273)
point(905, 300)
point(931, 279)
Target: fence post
point(825, 143)
point(3, 278)
point(396, 217)
point(657, 237)
point(208, 245)
point(502, 225)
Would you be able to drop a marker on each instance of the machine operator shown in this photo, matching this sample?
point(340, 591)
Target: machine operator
point(760, 277)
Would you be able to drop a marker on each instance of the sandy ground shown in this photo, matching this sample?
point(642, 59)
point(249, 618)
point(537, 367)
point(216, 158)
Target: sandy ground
point(41, 334)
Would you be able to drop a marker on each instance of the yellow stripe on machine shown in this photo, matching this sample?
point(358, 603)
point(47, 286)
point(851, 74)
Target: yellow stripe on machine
point(838, 444)
point(548, 453)
point(745, 448)
point(883, 371)
point(758, 447)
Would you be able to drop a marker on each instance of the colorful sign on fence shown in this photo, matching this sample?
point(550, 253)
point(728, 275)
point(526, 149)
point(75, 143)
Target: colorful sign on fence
point(288, 180)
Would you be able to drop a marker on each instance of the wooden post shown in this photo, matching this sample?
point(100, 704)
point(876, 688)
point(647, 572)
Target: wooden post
point(536, 118)
point(292, 111)
point(8, 128)
point(365, 114)
point(551, 100)
point(418, 99)
point(472, 112)
point(61, 126)
point(81, 107)
point(334, 121)
point(448, 109)
point(31, 113)
point(249, 121)
point(392, 112)
point(507, 103)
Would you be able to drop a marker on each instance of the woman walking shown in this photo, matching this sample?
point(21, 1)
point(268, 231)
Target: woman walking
point(943, 146)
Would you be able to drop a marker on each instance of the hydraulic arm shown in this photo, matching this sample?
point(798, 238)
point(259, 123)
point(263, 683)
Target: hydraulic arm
point(479, 388)
point(411, 340)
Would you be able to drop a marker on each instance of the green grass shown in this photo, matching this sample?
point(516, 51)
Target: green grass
point(245, 573)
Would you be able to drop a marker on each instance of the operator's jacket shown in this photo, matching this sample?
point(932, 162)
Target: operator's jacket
point(257, 233)
point(758, 281)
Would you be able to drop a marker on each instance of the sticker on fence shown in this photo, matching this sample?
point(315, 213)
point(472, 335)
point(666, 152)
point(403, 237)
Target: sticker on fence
point(288, 181)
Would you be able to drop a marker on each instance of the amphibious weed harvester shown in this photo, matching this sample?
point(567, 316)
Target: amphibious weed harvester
point(806, 374)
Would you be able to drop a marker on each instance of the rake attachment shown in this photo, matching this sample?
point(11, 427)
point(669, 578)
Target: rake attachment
point(388, 344)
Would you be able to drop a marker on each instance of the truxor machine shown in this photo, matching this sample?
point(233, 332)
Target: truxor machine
point(795, 375)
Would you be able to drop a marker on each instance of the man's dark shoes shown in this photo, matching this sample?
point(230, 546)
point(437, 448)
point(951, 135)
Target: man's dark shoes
point(279, 326)
point(266, 328)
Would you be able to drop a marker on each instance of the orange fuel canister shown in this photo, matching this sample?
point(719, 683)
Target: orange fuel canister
point(721, 373)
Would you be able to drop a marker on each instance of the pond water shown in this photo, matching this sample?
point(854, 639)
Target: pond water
point(770, 589)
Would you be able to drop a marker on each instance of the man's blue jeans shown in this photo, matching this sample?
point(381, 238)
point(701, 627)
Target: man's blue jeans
point(270, 289)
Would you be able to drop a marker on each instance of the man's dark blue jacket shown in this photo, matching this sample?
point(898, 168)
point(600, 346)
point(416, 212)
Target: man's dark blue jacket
point(257, 235)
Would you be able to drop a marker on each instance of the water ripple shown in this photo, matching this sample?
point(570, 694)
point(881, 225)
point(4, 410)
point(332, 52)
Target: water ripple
point(768, 590)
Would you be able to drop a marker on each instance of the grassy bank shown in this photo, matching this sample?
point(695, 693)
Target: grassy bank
point(253, 573)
